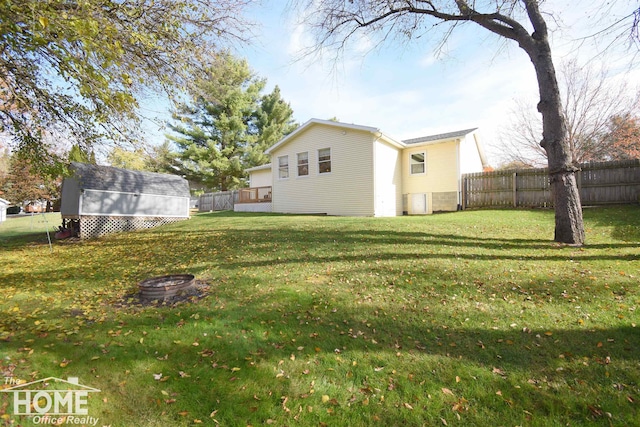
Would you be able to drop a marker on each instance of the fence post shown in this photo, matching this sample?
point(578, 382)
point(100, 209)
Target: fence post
point(515, 189)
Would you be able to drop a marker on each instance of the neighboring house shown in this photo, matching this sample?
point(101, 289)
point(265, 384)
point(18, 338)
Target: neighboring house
point(98, 200)
point(334, 168)
point(4, 204)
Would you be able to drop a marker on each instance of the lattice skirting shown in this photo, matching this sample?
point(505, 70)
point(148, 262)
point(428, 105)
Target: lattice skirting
point(96, 226)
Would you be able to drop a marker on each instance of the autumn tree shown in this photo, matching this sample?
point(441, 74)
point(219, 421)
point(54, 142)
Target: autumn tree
point(622, 136)
point(77, 68)
point(24, 183)
point(228, 125)
point(335, 22)
point(593, 103)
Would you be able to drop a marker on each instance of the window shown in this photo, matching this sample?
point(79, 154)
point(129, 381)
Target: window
point(418, 164)
point(324, 160)
point(283, 167)
point(303, 164)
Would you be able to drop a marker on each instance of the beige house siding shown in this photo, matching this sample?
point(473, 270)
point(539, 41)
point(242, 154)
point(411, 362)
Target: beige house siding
point(441, 170)
point(388, 179)
point(260, 178)
point(440, 180)
point(346, 190)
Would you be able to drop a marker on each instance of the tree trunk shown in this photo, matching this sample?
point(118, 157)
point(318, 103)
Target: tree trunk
point(555, 141)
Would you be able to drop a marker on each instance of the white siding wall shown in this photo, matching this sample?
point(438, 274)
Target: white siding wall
point(347, 190)
point(388, 179)
point(469, 156)
point(260, 178)
point(110, 203)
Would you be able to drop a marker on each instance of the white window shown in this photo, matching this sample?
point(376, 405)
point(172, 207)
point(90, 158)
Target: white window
point(324, 160)
point(283, 167)
point(303, 164)
point(418, 164)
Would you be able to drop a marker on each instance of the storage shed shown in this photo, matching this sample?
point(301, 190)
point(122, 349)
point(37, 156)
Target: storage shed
point(98, 200)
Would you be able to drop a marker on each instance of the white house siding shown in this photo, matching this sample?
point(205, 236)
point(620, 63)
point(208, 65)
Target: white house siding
point(347, 190)
point(388, 179)
point(470, 160)
point(260, 178)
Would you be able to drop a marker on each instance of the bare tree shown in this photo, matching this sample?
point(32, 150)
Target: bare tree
point(334, 22)
point(591, 100)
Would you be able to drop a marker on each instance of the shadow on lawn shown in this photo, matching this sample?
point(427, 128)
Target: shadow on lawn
point(235, 328)
point(562, 354)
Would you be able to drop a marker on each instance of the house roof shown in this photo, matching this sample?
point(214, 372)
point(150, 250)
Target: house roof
point(332, 123)
point(3, 201)
point(259, 168)
point(107, 178)
point(439, 137)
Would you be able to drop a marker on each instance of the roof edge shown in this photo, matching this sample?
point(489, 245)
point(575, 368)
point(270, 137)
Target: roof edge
point(437, 138)
point(314, 121)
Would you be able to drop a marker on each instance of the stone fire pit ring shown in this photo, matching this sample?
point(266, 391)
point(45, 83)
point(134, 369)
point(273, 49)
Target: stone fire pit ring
point(165, 286)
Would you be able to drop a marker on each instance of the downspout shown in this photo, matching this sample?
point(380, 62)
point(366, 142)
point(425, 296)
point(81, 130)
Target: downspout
point(458, 175)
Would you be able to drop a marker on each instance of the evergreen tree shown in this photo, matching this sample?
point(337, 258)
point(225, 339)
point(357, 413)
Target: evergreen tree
point(228, 125)
point(271, 122)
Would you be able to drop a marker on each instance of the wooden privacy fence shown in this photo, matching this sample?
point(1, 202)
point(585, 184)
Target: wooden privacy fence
point(599, 183)
point(221, 201)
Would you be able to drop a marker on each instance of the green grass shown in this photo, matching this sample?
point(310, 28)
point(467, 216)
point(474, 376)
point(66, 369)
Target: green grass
point(473, 318)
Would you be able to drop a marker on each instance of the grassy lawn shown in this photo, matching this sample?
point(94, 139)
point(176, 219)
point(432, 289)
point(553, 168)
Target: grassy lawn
point(466, 319)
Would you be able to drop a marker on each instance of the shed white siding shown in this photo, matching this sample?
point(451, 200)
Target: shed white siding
point(346, 190)
point(388, 179)
point(112, 203)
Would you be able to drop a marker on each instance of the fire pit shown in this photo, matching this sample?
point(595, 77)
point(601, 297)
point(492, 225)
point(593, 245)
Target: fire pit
point(165, 286)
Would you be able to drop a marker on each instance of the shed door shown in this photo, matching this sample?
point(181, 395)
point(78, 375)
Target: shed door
point(419, 204)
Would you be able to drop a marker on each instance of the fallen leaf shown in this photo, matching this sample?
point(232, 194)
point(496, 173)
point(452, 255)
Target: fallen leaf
point(498, 371)
point(447, 391)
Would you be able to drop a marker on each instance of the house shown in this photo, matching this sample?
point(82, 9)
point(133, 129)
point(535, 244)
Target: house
point(98, 200)
point(4, 204)
point(334, 168)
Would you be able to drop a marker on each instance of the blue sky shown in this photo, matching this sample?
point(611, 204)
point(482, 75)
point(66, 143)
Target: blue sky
point(403, 88)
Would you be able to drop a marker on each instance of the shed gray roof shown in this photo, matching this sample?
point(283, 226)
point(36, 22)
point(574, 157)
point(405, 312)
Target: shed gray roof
point(107, 178)
point(440, 136)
